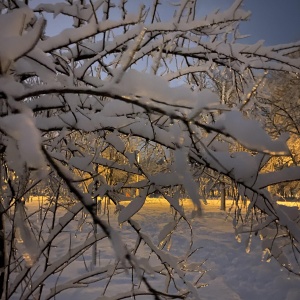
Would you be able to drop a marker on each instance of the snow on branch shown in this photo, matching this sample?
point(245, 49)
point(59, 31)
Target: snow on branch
point(127, 104)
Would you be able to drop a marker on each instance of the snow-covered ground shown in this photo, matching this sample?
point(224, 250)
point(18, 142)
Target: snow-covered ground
point(232, 274)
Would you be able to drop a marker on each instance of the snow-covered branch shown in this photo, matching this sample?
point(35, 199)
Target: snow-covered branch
point(123, 106)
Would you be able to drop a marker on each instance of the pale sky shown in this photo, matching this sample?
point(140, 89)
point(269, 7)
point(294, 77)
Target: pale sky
point(275, 21)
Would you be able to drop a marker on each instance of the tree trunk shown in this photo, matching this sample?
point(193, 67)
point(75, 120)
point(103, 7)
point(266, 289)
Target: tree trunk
point(223, 201)
point(2, 235)
point(2, 251)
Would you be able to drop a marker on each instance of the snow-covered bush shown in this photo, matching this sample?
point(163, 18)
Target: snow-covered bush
point(124, 72)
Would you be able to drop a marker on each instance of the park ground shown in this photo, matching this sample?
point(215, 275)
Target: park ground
point(230, 272)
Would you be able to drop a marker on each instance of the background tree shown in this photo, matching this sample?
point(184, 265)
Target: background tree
point(278, 106)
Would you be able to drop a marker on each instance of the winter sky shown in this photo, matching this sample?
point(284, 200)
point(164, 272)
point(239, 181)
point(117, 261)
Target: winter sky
point(275, 21)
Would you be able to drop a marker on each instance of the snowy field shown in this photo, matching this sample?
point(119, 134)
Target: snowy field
point(229, 272)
